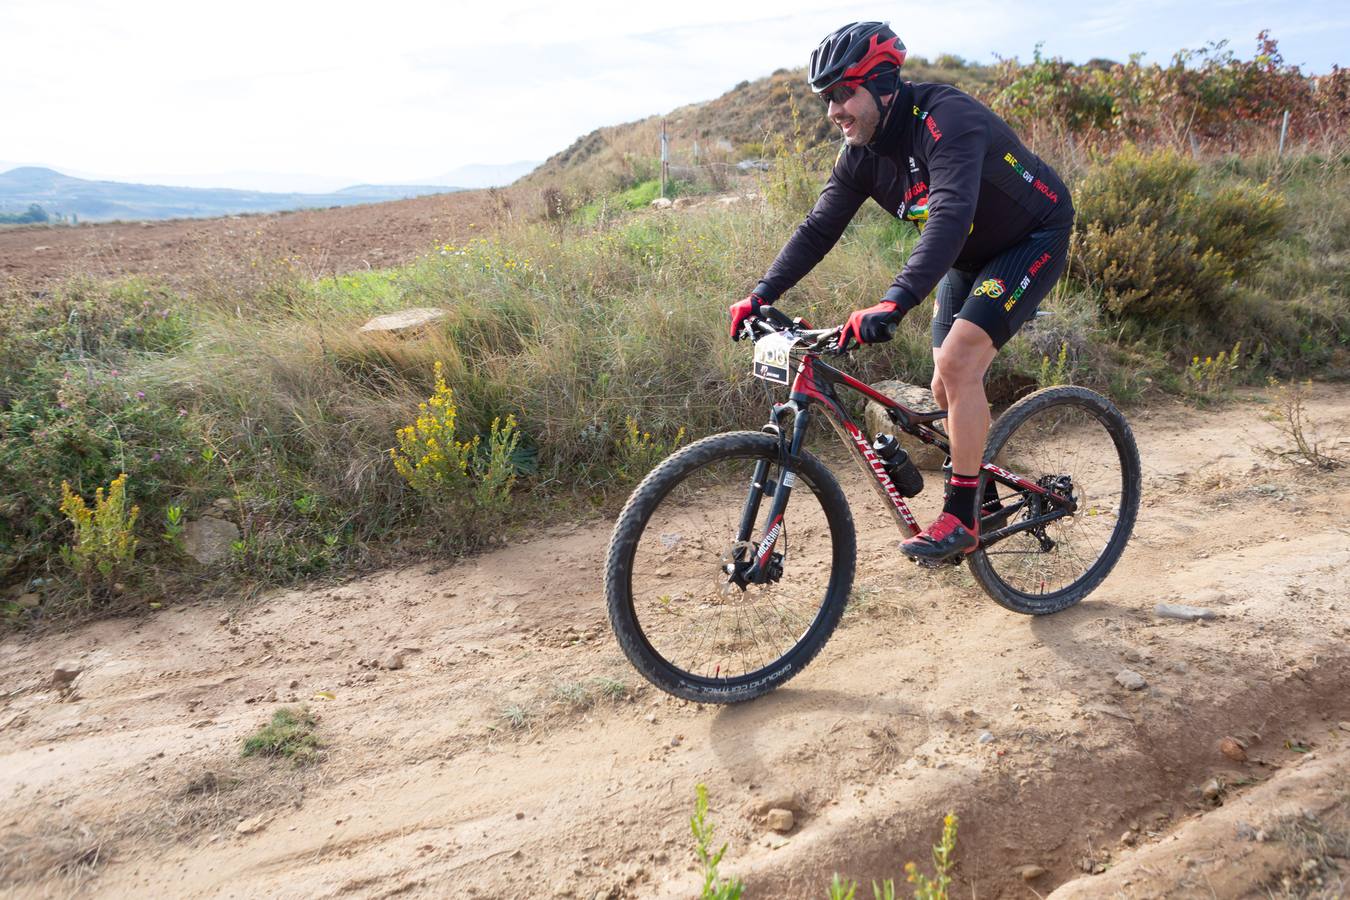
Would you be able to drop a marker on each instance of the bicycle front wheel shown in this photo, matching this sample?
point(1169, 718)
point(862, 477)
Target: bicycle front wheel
point(1070, 440)
point(681, 620)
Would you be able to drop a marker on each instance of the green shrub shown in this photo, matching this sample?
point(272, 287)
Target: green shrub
point(104, 543)
point(715, 887)
point(469, 484)
point(290, 735)
point(1158, 247)
point(79, 403)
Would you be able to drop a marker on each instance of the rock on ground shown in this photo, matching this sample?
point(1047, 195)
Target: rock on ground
point(208, 539)
point(1182, 611)
point(920, 399)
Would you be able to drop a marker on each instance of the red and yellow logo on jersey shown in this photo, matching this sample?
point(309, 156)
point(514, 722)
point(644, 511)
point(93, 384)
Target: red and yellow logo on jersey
point(990, 287)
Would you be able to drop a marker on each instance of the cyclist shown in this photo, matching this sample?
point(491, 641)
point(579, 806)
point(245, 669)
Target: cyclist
point(994, 223)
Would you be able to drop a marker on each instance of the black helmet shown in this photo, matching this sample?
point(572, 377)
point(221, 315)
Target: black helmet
point(853, 51)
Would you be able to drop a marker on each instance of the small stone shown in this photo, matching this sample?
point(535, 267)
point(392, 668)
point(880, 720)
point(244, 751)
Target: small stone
point(65, 673)
point(1030, 873)
point(208, 540)
point(224, 619)
point(1134, 656)
point(520, 815)
point(779, 800)
point(1179, 666)
point(224, 504)
point(405, 320)
point(368, 677)
point(1181, 611)
point(1131, 680)
point(651, 717)
point(780, 820)
point(249, 826)
point(985, 737)
point(676, 740)
point(1233, 749)
point(1128, 838)
point(293, 683)
point(1344, 726)
point(662, 203)
point(1212, 790)
point(393, 660)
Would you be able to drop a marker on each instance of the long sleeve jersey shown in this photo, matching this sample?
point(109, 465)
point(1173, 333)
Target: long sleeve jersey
point(950, 165)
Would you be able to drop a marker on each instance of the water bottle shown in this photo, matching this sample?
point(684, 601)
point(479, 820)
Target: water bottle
point(908, 480)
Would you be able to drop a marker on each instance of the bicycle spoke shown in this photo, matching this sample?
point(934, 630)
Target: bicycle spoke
point(1065, 440)
point(681, 612)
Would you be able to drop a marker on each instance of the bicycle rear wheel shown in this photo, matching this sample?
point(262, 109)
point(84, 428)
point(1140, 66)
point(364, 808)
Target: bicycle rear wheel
point(682, 623)
point(1076, 441)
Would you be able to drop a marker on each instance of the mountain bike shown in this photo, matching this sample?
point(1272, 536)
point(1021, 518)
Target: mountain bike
point(718, 592)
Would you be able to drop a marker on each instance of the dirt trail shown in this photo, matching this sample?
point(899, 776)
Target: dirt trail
point(505, 759)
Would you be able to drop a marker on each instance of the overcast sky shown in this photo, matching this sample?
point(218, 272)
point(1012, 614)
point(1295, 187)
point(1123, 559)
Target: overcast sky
point(404, 90)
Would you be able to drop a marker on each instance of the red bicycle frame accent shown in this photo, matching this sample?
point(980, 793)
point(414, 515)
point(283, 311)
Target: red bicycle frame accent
point(815, 382)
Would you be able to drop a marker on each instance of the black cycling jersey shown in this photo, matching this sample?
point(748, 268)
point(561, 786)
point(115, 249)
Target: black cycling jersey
point(950, 165)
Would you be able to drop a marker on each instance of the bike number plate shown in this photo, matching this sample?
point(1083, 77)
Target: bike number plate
point(772, 357)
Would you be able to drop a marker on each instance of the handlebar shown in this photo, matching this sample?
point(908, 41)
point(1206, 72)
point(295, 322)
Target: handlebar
point(815, 340)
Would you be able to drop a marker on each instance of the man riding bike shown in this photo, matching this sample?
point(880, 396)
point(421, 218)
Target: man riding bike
point(994, 223)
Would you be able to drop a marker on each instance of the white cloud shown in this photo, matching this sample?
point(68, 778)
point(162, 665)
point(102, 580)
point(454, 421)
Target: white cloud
point(396, 91)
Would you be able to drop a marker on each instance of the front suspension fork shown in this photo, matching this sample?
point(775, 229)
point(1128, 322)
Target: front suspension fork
point(755, 570)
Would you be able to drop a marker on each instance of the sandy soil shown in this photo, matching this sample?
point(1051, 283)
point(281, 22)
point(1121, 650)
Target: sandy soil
point(515, 753)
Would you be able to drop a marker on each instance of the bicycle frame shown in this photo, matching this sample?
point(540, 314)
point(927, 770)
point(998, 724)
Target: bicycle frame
point(815, 383)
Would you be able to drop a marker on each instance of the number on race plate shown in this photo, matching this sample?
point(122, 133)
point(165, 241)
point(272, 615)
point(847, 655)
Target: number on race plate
point(772, 356)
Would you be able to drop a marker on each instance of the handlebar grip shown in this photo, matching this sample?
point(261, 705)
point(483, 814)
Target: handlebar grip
point(775, 316)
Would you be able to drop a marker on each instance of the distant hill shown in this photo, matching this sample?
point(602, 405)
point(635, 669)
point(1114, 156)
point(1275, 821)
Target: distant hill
point(483, 175)
point(101, 201)
point(742, 123)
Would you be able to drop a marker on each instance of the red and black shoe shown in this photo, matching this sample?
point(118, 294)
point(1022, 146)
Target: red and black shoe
point(941, 541)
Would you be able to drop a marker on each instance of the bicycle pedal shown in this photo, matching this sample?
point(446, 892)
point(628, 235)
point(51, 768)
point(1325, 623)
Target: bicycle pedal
point(940, 563)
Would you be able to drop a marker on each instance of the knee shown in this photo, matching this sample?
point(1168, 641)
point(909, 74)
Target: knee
point(955, 374)
point(939, 392)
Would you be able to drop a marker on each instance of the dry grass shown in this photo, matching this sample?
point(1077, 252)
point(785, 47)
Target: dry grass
point(1305, 443)
point(59, 849)
point(65, 851)
point(1322, 848)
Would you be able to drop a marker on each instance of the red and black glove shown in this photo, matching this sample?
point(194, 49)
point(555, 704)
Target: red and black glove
point(873, 325)
point(745, 309)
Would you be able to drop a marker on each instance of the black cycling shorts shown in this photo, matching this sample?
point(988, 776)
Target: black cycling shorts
point(1002, 295)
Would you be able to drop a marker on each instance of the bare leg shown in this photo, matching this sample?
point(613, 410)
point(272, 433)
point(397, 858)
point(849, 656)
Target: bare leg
point(939, 390)
point(960, 365)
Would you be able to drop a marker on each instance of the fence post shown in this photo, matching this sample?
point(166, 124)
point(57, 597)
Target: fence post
point(665, 157)
point(1284, 129)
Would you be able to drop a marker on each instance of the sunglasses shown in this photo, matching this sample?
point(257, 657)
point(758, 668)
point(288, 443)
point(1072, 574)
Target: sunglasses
point(839, 92)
